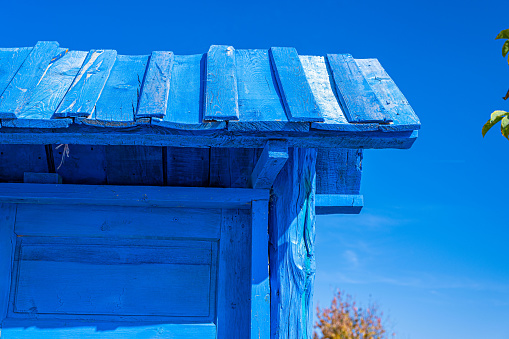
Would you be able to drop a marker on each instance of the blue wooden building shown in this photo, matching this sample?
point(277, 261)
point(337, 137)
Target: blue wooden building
point(174, 196)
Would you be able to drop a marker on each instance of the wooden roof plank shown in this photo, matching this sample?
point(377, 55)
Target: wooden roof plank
point(185, 90)
point(259, 101)
point(119, 98)
point(358, 101)
point(260, 106)
point(82, 96)
point(20, 89)
point(221, 97)
point(394, 102)
point(52, 87)
point(319, 79)
point(156, 86)
point(11, 60)
point(298, 100)
point(184, 110)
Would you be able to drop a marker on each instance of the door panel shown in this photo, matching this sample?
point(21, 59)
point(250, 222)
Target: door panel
point(122, 280)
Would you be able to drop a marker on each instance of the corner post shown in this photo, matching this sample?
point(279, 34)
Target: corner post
point(291, 247)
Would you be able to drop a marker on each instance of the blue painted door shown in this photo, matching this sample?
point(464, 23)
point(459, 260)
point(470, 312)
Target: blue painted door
point(126, 272)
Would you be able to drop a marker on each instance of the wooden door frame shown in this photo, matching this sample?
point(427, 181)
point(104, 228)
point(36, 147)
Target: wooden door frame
point(255, 200)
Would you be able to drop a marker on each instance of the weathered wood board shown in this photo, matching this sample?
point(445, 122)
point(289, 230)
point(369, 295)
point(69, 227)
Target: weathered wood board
point(291, 239)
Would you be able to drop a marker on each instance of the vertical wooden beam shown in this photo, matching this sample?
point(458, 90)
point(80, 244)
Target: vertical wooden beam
point(49, 158)
point(260, 288)
point(272, 159)
point(233, 282)
point(291, 251)
point(7, 245)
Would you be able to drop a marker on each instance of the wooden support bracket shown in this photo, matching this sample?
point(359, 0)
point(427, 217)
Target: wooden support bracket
point(270, 163)
point(338, 204)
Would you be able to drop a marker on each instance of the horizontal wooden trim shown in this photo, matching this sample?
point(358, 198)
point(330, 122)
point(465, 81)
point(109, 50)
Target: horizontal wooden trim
point(197, 197)
point(13, 328)
point(338, 204)
point(151, 136)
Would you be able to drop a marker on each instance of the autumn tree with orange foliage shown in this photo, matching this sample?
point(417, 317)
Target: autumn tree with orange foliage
point(344, 320)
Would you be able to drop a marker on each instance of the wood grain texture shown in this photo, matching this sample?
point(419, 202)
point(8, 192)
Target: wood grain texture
point(291, 250)
point(52, 87)
point(134, 165)
point(150, 136)
point(85, 164)
point(260, 106)
point(37, 123)
point(394, 102)
point(79, 329)
point(187, 167)
point(338, 171)
point(319, 79)
point(221, 98)
point(185, 102)
point(156, 86)
point(7, 246)
point(358, 101)
point(270, 162)
point(144, 196)
point(118, 222)
point(21, 88)
point(82, 96)
point(18, 159)
point(119, 98)
point(234, 271)
point(11, 60)
point(338, 204)
point(112, 277)
point(298, 100)
point(232, 167)
point(260, 285)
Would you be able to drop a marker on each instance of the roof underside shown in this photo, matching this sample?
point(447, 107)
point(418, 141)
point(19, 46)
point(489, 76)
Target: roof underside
point(223, 98)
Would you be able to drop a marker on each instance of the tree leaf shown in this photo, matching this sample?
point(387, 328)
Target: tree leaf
point(505, 48)
point(503, 34)
point(504, 127)
point(495, 117)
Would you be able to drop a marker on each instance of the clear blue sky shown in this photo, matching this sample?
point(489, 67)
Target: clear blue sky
point(431, 245)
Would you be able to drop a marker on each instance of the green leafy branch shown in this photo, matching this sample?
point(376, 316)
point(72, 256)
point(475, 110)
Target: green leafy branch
point(497, 116)
point(501, 116)
point(505, 48)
